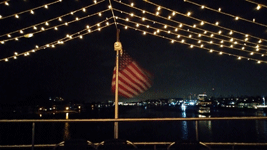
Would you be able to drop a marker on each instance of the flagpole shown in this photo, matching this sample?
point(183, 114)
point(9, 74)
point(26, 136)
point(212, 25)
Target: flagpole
point(118, 49)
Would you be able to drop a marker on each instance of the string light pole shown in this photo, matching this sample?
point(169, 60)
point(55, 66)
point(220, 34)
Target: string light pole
point(118, 49)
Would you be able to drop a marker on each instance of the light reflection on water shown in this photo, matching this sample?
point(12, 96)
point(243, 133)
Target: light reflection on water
point(66, 129)
point(184, 127)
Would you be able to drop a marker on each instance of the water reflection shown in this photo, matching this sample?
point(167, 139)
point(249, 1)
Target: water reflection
point(66, 129)
point(184, 127)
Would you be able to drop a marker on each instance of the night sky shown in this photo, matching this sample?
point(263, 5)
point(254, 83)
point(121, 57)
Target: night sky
point(81, 69)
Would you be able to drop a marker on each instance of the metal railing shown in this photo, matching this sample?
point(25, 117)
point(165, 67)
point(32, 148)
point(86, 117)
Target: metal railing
point(154, 144)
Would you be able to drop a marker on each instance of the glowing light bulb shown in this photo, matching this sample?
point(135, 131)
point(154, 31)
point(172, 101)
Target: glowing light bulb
point(190, 36)
point(6, 3)
point(217, 23)
point(191, 46)
point(182, 41)
point(42, 28)
point(107, 23)
point(236, 18)
point(76, 18)
point(181, 25)
point(15, 57)
point(259, 41)
point(231, 32)
point(66, 23)
point(157, 13)
point(98, 24)
point(32, 12)
point(199, 35)
point(132, 4)
point(144, 33)
point(36, 46)
point(46, 23)
point(8, 35)
point(165, 26)
point(89, 30)
point(137, 25)
point(17, 16)
point(202, 23)
point(0, 16)
point(211, 35)
point(219, 9)
point(127, 19)
point(259, 62)
point(173, 13)
point(46, 6)
point(159, 8)
point(144, 11)
point(211, 51)
point(84, 10)
point(16, 39)
point(56, 28)
point(35, 28)
point(81, 36)
point(221, 53)
point(6, 59)
point(211, 42)
point(201, 45)
point(176, 30)
point(251, 53)
point(178, 36)
point(239, 58)
point(100, 14)
point(21, 31)
point(219, 32)
point(258, 7)
point(202, 7)
point(199, 41)
point(59, 19)
point(243, 48)
point(126, 27)
point(188, 14)
point(2, 42)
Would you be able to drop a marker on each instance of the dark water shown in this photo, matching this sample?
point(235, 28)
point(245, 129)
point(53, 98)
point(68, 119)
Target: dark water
point(209, 131)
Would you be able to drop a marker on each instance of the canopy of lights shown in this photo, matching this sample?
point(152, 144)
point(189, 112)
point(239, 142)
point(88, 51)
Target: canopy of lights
point(208, 26)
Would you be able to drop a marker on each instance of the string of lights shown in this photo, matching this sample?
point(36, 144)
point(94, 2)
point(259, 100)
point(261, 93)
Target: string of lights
point(227, 14)
point(59, 18)
point(195, 27)
point(157, 30)
point(192, 46)
point(54, 27)
point(231, 31)
point(188, 31)
point(5, 2)
point(16, 15)
point(61, 41)
point(259, 6)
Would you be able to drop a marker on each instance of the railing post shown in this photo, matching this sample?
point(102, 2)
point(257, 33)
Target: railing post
point(33, 134)
point(197, 130)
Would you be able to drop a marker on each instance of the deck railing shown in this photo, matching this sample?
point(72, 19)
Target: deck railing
point(154, 144)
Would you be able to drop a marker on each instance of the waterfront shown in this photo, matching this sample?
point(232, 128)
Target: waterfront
point(209, 131)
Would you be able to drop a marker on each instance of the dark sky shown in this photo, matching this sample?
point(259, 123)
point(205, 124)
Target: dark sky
point(82, 68)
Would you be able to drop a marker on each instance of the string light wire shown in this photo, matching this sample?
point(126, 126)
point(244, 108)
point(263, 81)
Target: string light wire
point(29, 10)
point(174, 40)
point(204, 35)
point(227, 14)
point(53, 27)
point(69, 13)
point(63, 40)
point(201, 20)
point(140, 24)
point(262, 5)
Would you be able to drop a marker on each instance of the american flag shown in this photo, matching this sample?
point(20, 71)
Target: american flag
point(133, 79)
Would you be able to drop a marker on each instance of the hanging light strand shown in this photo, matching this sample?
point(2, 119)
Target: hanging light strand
point(204, 35)
point(208, 49)
point(258, 4)
point(56, 18)
point(227, 14)
point(62, 40)
point(186, 37)
point(191, 25)
point(56, 26)
point(30, 10)
point(228, 29)
point(4, 2)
